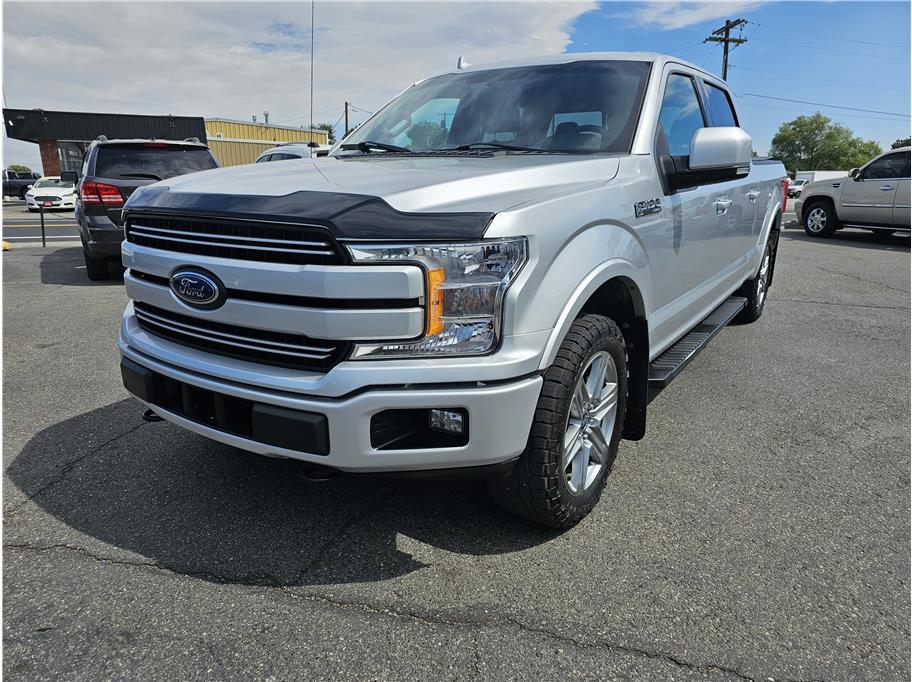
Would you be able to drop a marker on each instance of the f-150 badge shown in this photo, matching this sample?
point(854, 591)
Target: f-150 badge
point(647, 207)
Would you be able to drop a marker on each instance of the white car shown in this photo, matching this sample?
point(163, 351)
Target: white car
point(284, 152)
point(795, 187)
point(51, 192)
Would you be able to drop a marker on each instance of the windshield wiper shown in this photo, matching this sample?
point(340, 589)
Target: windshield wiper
point(141, 175)
point(367, 145)
point(495, 145)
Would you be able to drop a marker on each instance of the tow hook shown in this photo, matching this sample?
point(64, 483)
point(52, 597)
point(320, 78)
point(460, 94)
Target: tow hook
point(150, 416)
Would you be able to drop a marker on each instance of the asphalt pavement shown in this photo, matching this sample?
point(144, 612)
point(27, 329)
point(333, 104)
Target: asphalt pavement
point(22, 228)
point(759, 531)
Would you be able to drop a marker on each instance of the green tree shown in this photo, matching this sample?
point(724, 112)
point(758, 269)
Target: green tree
point(329, 131)
point(816, 143)
point(426, 135)
point(18, 168)
point(902, 142)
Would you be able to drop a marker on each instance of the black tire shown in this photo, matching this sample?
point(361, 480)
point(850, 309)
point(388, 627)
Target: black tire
point(756, 288)
point(96, 268)
point(538, 487)
point(819, 219)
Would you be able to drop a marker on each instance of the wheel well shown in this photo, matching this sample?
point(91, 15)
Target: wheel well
point(621, 300)
point(810, 201)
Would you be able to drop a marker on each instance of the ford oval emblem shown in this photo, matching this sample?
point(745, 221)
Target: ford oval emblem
point(202, 290)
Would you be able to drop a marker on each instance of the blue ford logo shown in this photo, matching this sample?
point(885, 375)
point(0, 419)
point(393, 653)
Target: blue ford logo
point(197, 289)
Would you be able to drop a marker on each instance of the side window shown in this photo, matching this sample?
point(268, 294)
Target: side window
point(681, 116)
point(887, 167)
point(264, 159)
point(721, 111)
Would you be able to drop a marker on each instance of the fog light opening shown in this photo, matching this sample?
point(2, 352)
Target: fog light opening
point(448, 421)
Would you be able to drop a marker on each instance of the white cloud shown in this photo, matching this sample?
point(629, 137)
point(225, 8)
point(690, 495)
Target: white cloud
point(233, 59)
point(667, 15)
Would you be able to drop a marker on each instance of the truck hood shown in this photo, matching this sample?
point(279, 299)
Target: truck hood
point(436, 184)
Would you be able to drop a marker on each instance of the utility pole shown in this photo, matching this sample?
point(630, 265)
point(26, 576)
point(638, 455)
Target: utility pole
point(345, 132)
point(720, 35)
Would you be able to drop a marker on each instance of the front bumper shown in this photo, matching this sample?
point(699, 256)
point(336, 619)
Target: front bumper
point(31, 203)
point(499, 417)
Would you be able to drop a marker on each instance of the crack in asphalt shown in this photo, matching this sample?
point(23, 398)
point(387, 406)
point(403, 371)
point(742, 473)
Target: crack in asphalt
point(861, 279)
point(69, 466)
point(850, 305)
point(411, 616)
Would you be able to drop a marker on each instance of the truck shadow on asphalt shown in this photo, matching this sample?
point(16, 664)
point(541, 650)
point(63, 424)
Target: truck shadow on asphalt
point(207, 510)
point(850, 237)
point(66, 266)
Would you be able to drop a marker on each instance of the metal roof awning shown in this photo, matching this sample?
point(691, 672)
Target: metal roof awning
point(32, 125)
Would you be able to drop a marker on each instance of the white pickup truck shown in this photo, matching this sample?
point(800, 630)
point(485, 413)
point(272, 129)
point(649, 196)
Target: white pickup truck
point(492, 276)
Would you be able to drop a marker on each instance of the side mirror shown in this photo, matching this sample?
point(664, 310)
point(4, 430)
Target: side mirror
point(715, 149)
point(854, 174)
point(70, 176)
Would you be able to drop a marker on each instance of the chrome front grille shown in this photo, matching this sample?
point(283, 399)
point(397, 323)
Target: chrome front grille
point(238, 239)
point(255, 345)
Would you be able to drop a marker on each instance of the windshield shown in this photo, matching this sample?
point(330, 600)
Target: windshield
point(580, 107)
point(151, 160)
point(54, 182)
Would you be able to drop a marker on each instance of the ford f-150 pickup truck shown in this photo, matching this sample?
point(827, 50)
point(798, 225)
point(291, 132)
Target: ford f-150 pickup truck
point(493, 275)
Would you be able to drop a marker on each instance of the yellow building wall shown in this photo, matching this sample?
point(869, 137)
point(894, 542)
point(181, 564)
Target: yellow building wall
point(237, 130)
point(235, 142)
point(237, 153)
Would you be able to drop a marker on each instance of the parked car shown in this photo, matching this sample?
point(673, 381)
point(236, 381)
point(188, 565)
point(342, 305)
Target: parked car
point(111, 171)
point(499, 298)
point(49, 193)
point(795, 187)
point(285, 152)
point(16, 184)
point(874, 197)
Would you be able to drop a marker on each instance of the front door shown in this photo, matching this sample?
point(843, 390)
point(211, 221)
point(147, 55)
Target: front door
point(869, 197)
point(901, 203)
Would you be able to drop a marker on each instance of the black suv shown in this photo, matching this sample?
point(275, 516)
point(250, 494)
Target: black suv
point(111, 172)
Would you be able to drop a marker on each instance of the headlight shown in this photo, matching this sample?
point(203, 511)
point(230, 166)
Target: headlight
point(465, 289)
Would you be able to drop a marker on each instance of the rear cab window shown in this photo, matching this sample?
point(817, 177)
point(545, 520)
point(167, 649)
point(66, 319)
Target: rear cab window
point(151, 159)
point(720, 109)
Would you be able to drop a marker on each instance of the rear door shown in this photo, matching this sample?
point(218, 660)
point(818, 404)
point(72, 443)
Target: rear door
point(901, 202)
point(868, 198)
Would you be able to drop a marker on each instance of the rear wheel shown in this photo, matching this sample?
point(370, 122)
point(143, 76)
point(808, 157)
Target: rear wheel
point(755, 289)
point(577, 426)
point(96, 268)
point(819, 219)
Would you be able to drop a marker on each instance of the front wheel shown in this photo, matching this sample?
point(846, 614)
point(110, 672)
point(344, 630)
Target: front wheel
point(576, 430)
point(819, 219)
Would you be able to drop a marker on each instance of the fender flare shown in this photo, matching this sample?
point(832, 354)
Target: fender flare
point(612, 269)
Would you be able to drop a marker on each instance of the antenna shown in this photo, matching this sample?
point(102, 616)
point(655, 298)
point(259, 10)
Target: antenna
point(461, 63)
point(312, 2)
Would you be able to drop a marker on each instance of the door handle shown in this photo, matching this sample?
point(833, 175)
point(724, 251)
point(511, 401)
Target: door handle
point(722, 205)
point(752, 197)
point(886, 188)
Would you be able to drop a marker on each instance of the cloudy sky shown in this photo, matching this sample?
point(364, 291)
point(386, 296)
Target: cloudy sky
point(236, 59)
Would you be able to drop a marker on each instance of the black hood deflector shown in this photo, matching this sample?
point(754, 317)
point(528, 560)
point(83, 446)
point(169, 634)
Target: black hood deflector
point(350, 217)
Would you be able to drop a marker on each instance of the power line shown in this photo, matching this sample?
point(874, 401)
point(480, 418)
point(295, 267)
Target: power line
point(819, 104)
point(892, 88)
point(830, 49)
point(721, 35)
point(830, 37)
point(316, 113)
